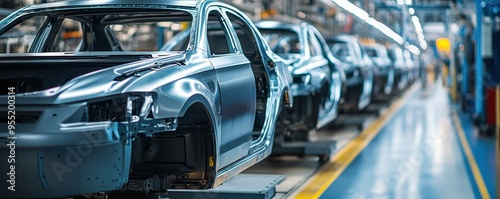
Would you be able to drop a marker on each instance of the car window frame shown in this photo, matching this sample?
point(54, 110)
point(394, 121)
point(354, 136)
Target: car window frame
point(52, 28)
point(353, 44)
point(311, 35)
point(361, 51)
point(227, 31)
point(260, 42)
point(59, 31)
point(238, 47)
point(22, 18)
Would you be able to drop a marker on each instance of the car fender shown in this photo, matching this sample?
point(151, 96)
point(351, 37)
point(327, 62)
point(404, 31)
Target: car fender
point(285, 79)
point(319, 77)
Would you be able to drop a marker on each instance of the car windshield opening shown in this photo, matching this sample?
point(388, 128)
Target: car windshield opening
point(340, 50)
point(98, 30)
point(371, 52)
point(282, 41)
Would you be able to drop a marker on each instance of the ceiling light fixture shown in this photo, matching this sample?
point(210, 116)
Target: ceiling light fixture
point(363, 15)
point(411, 11)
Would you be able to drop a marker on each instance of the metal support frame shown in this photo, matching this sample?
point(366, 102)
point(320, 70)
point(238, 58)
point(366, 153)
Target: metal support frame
point(324, 149)
point(479, 62)
point(452, 65)
point(433, 8)
point(241, 186)
point(465, 72)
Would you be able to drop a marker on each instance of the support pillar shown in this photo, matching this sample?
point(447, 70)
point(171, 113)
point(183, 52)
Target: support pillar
point(479, 101)
point(498, 141)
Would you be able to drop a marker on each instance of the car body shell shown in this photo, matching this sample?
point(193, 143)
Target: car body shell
point(399, 64)
point(316, 74)
point(359, 72)
point(413, 67)
point(51, 161)
point(383, 69)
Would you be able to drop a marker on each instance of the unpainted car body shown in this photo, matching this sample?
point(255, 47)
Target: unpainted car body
point(383, 70)
point(358, 71)
point(103, 118)
point(413, 69)
point(401, 71)
point(317, 78)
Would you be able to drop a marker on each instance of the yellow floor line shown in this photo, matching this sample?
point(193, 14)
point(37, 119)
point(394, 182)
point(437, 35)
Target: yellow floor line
point(329, 172)
point(470, 159)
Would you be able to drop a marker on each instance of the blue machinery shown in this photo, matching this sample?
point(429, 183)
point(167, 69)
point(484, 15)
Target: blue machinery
point(492, 8)
point(479, 62)
point(485, 51)
point(486, 70)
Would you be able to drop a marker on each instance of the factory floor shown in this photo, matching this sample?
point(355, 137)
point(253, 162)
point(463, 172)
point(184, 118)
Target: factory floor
point(420, 146)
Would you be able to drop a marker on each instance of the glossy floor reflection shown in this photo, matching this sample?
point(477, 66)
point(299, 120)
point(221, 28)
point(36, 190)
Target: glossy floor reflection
point(416, 155)
point(483, 149)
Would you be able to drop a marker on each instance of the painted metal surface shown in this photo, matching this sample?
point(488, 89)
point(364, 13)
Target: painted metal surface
point(169, 83)
point(410, 157)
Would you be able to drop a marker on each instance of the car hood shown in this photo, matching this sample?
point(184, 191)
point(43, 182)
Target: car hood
point(109, 81)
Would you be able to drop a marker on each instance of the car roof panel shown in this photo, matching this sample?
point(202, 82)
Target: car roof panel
point(97, 3)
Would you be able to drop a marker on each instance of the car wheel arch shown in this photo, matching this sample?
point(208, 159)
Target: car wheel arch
point(198, 104)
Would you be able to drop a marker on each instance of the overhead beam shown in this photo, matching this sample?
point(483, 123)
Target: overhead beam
point(479, 62)
point(416, 7)
point(431, 7)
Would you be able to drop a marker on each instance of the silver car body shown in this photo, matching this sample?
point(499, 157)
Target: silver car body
point(383, 70)
point(315, 71)
point(411, 64)
point(399, 64)
point(358, 70)
point(230, 104)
